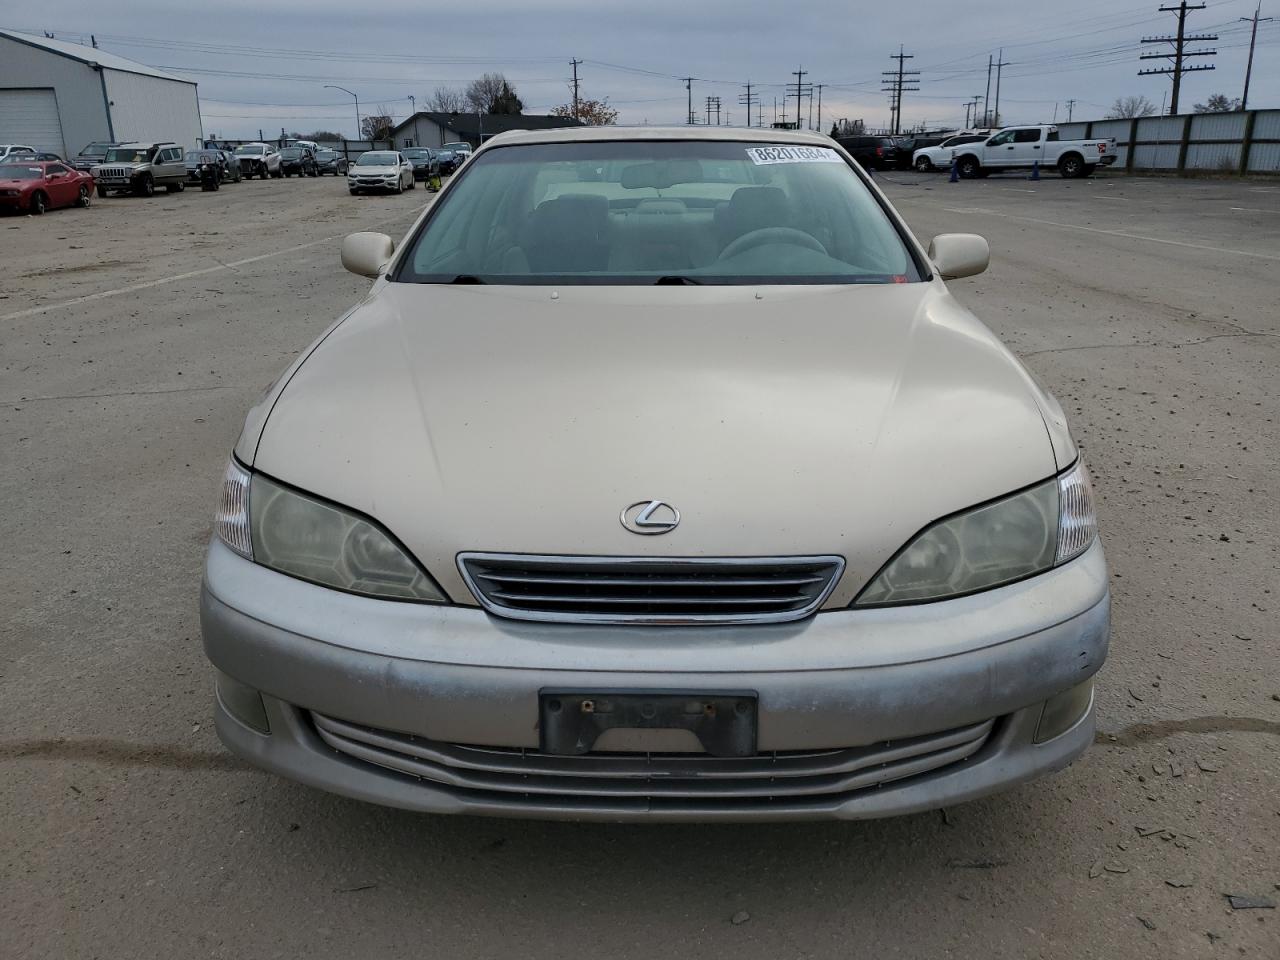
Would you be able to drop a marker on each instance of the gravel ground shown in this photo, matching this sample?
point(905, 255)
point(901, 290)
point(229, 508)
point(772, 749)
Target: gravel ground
point(137, 333)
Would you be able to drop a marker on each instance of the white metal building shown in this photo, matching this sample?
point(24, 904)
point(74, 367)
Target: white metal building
point(60, 96)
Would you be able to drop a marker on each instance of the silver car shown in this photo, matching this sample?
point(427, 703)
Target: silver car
point(381, 170)
point(659, 476)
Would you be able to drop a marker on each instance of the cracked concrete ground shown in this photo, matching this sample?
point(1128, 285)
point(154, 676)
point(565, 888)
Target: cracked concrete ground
point(1147, 306)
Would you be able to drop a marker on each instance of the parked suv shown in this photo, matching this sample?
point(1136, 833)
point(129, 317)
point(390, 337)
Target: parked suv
point(93, 154)
point(878, 152)
point(299, 160)
point(141, 167)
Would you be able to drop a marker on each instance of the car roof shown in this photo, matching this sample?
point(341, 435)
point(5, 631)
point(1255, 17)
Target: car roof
point(634, 134)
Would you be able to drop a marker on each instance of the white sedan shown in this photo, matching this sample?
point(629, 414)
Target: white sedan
point(381, 170)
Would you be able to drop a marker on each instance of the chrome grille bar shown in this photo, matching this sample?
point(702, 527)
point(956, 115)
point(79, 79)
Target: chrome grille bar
point(680, 590)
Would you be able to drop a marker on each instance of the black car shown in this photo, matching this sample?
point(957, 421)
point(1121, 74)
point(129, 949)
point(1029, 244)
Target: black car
point(93, 154)
point(299, 160)
point(449, 161)
point(907, 147)
point(426, 164)
point(880, 153)
point(331, 161)
point(228, 163)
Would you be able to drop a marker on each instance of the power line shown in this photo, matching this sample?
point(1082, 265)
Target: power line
point(1253, 40)
point(896, 85)
point(801, 91)
point(1180, 51)
point(749, 100)
point(574, 63)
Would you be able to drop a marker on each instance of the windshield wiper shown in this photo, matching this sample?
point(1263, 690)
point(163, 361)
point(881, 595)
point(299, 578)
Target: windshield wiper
point(675, 280)
point(466, 278)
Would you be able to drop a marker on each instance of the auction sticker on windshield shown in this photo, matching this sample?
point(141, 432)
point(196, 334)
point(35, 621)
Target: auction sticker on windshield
point(762, 155)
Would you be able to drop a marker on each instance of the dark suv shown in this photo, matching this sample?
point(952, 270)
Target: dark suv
point(878, 152)
point(299, 160)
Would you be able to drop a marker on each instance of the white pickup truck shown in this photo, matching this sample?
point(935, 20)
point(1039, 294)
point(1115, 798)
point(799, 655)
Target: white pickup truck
point(1023, 147)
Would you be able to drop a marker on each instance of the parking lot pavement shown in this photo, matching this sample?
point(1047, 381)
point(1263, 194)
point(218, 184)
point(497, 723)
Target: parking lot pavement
point(1146, 305)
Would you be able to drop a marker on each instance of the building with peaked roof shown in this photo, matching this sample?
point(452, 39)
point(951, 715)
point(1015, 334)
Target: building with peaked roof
point(430, 129)
point(59, 96)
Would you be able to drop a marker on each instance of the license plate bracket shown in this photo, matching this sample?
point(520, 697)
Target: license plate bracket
point(571, 721)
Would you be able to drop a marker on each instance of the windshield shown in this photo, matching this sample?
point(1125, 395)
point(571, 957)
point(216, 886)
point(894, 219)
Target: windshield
point(95, 149)
point(326, 155)
point(379, 159)
point(418, 154)
point(127, 155)
point(291, 153)
point(12, 171)
point(643, 211)
point(250, 151)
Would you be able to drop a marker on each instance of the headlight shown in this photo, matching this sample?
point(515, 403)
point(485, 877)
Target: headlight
point(307, 538)
point(997, 543)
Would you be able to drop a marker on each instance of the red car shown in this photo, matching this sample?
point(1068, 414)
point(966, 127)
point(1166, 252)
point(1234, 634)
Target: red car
point(39, 185)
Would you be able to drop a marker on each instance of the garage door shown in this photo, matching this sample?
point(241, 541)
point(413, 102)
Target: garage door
point(30, 117)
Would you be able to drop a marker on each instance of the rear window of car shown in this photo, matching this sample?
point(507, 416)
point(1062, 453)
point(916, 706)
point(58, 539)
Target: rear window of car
point(635, 212)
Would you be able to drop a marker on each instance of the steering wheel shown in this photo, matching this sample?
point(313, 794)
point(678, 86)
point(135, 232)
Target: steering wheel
point(765, 235)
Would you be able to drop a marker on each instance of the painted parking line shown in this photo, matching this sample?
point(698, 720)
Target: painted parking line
point(175, 278)
point(1124, 234)
point(1252, 210)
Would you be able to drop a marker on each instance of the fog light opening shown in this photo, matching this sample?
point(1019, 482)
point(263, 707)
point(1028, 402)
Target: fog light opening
point(242, 702)
point(1064, 711)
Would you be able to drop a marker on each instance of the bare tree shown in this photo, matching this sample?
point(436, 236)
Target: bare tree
point(1126, 108)
point(1218, 103)
point(447, 100)
point(491, 93)
point(377, 125)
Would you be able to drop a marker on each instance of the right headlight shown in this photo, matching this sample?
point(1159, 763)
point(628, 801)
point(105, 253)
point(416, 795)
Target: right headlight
point(997, 543)
point(314, 540)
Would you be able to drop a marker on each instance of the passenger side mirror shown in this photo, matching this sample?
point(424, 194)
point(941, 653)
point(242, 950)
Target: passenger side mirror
point(366, 254)
point(957, 255)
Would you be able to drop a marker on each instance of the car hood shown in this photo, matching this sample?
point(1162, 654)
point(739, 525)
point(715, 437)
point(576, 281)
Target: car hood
point(778, 420)
point(370, 170)
point(16, 184)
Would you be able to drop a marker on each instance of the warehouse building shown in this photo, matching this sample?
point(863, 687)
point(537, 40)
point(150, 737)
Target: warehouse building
point(59, 96)
point(430, 129)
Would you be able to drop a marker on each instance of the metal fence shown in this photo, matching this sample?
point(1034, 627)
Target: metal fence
point(1242, 142)
point(348, 148)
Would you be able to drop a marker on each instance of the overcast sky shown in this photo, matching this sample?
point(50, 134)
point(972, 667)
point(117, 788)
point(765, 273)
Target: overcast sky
point(264, 64)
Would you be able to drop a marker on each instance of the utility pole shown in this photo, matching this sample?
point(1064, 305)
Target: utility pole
point(1180, 51)
point(1071, 109)
point(1253, 40)
point(1000, 65)
point(986, 97)
point(575, 63)
point(688, 86)
point(749, 99)
point(821, 85)
point(716, 100)
point(896, 84)
point(801, 91)
point(967, 105)
point(708, 111)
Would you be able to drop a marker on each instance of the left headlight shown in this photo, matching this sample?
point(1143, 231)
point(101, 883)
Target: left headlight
point(314, 540)
point(997, 543)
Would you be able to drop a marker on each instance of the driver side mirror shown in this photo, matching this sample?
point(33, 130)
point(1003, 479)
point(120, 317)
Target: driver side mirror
point(367, 254)
point(957, 255)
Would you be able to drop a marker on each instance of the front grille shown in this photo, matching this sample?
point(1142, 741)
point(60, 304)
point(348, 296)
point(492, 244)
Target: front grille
point(114, 173)
point(517, 775)
point(639, 590)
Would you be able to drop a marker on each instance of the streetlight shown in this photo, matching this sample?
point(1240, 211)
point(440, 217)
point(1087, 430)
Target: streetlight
point(330, 86)
point(413, 112)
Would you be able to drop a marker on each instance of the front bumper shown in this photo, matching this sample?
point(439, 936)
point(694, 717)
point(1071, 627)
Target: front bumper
point(430, 683)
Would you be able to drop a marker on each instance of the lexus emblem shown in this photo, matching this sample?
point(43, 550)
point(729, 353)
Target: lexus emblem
point(650, 517)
